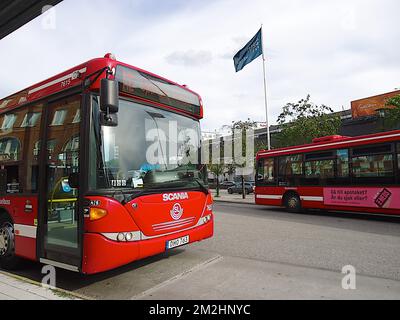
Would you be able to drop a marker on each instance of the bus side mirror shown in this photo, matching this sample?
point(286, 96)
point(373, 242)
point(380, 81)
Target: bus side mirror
point(109, 99)
point(109, 103)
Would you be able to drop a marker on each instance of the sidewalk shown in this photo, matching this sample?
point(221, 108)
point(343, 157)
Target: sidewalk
point(13, 287)
point(224, 196)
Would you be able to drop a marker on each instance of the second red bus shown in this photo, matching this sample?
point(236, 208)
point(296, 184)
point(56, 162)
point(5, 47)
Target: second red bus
point(359, 174)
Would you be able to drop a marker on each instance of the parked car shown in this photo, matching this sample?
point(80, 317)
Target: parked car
point(237, 188)
point(227, 184)
point(212, 185)
point(253, 183)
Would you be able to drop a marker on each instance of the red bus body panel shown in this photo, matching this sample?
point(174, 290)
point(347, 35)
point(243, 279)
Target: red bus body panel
point(148, 212)
point(25, 221)
point(307, 193)
point(101, 254)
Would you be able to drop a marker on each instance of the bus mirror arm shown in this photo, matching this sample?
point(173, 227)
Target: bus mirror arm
point(108, 119)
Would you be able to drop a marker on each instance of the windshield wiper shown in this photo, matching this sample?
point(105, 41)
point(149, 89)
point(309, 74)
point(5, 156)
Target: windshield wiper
point(134, 196)
point(148, 78)
point(190, 176)
point(202, 187)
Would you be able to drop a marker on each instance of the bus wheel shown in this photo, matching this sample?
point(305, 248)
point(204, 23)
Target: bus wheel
point(293, 203)
point(8, 259)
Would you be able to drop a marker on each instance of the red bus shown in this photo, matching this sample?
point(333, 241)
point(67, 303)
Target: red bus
point(359, 174)
point(90, 200)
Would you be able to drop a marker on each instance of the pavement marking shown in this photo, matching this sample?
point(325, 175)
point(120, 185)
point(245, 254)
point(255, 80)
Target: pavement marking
point(180, 276)
point(38, 284)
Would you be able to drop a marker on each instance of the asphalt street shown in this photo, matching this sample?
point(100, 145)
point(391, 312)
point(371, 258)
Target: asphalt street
point(260, 253)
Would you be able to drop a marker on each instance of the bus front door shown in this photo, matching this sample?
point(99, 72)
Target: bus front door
point(60, 224)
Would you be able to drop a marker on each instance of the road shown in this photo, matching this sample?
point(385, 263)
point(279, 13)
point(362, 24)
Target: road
point(260, 253)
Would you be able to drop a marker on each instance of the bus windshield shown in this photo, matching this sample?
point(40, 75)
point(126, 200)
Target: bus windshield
point(150, 148)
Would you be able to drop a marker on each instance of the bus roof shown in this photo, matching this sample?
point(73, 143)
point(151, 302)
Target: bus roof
point(71, 78)
point(333, 142)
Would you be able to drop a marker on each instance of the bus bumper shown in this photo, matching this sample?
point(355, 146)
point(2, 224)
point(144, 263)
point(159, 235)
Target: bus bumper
point(101, 254)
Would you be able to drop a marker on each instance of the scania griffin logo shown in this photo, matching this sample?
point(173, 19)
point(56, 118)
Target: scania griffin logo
point(177, 211)
point(175, 196)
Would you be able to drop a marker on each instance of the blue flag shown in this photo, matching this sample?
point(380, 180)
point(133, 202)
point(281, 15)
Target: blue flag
point(251, 51)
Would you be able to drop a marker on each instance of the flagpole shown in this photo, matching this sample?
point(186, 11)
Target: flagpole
point(265, 89)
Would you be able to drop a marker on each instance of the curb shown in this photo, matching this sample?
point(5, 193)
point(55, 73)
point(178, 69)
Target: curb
point(56, 291)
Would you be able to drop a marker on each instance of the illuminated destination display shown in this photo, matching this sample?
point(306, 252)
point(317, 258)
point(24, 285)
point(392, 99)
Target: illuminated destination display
point(158, 90)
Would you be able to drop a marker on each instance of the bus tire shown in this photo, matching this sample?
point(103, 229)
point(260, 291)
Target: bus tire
point(293, 203)
point(8, 259)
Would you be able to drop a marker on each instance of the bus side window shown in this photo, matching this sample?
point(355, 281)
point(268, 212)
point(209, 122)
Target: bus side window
point(373, 164)
point(398, 157)
point(20, 133)
point(265, 172)
point(269, 170)
point(290, 169)
point(320, 169)
point(343, 163)
point(260, 171)
point(10, 153)
point(29, 170)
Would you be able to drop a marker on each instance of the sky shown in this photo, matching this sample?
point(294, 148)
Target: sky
point(336, 51)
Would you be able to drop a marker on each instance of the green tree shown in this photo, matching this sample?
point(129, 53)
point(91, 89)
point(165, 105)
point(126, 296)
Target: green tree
point(304, 121)
point(217, 170)
point(393, 115)
point(230, 169)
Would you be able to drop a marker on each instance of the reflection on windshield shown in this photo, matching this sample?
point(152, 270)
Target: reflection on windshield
point(150, 148)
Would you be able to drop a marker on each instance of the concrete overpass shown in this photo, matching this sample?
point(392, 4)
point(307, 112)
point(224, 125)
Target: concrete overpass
point(15, 13)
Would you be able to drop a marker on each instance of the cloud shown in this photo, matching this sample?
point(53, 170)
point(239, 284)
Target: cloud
point(189, 58)
point(337, 51)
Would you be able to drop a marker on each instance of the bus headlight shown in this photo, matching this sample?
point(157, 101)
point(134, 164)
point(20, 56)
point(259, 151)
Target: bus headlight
point(207, 218)
point(129, 236)
point(120, 237)
point(97, 214)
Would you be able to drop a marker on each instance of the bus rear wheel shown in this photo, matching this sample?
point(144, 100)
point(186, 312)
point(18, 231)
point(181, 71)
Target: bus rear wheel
point(8, 259)
point(293, 203)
